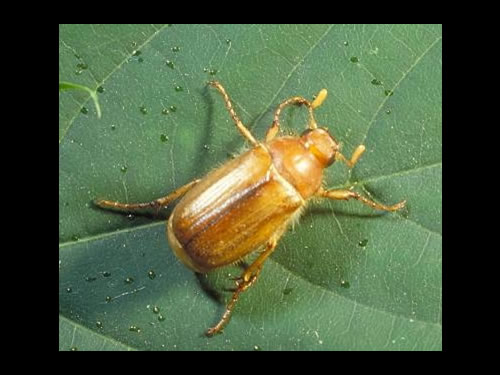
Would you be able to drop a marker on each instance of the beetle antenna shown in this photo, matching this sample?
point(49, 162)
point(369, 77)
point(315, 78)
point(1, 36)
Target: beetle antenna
point(320, 98)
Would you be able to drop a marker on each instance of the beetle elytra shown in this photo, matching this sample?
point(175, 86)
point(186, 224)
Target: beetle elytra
point(247, 203)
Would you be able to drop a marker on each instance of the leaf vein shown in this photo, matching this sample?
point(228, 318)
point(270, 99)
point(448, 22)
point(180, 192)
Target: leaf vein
point(294, 68)
point(422, 252)
point(83, 328)
point(298, 276)
point(71, 121)
point(397, 84)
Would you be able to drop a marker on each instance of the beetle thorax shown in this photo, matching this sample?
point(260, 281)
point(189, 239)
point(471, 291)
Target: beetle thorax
point(297, 164)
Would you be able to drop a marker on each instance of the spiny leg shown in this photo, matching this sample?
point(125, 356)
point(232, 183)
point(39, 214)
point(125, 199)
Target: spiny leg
point(274, 128)
point(246, 280)
point(157, 203)
point(354, 157)
point(297, 100)
point(243, 130)
point(345, 194)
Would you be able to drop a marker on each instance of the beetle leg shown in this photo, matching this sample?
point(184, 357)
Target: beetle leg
point(297, 100)
point(250, 275)
point(354, 157)
point(157, 203)
point(246, 280)
point(344, 194)
point(274, 128)
point(243, 130)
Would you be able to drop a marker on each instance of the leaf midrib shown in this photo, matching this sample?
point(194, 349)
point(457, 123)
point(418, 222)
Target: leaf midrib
point(360, 182)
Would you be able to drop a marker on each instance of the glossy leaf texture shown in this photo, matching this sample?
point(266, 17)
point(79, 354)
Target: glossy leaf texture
point(344, 277)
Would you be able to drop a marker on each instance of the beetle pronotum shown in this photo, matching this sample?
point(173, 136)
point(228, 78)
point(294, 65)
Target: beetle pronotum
point(247, 203)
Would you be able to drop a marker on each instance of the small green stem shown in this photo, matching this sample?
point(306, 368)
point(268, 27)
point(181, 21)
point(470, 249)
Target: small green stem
point(69, 86)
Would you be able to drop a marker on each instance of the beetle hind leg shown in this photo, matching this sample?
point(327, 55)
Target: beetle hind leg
point(354, 157)
point(245, 281)
point(155, 204)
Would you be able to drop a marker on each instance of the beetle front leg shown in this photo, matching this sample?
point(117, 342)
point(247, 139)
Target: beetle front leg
point(242, 128)
point(246, 280)
point(343, 194)
point(275, 126)
point(297, 100)
point(157, 203)
point(354, 157)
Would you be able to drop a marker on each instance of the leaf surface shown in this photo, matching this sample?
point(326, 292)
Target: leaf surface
point(344, 278)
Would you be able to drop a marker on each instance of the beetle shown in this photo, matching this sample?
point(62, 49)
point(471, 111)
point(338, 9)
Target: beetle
point(246, 204)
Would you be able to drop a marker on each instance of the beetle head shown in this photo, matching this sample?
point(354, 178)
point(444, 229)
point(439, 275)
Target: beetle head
point(321, 144)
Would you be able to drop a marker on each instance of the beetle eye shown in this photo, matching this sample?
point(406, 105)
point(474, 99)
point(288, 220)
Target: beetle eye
point(321, 144)
point(306, 132)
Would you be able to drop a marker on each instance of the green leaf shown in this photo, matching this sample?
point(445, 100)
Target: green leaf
point(74, 337)
point(344, 278)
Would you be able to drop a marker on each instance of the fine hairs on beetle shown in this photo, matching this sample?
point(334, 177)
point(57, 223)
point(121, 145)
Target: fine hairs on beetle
point(247, 203)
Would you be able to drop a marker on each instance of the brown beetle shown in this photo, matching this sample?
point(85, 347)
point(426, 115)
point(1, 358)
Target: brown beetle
point(247, 203)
